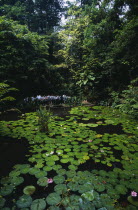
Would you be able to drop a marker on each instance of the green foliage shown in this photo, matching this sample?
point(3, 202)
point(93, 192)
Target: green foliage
point(24, 57)
point(127, 102)
point(24, 201)
point(5, 100)
point(40, 16)
point(44, 117)
point(133, 200)
point(29, 190)
point(38, 204)
point(94, 50)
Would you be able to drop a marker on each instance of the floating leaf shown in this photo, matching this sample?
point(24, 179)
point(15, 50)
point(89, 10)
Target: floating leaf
point(60, 188)
point(34, 171)
point(57, 167)
point(73, 186)
point(88, 195)
point(71, 173)
point(14, 173)
point(109, 121)
point(5, 180)
point(17, 180)
point(64, 160)
point(53, 199)
point(59, 179)
point(132, 200)
point(6, 190)
point(61, 171)
point(47, 168)
point(24, 201)
point(65, 201)
point(54, 158)
point(38, 204)
point(29, 190)
point(25, 170)
point(39, 165)
point(2, 202)
point(72, 167)
point(99, 187)
point(121, 189)
point(42, 181)
point(50, 163)
point(40, 174)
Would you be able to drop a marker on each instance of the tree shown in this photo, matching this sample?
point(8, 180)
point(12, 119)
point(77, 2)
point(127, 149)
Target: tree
point(5, 98)
point(24, 58)
point(39, 15)
point(94, 48)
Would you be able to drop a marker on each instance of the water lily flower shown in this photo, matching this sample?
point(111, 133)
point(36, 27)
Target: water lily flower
point(51, 152)
point(50, 180)
point(89, 140)
point(47, 154)
point(133, 194)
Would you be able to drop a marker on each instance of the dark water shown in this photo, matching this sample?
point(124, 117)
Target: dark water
point(12, 151)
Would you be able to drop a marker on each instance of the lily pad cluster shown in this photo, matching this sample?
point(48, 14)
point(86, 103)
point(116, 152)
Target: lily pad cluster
point(70, 145)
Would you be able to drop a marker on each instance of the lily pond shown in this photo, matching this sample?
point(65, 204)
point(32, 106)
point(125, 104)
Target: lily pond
point(87, 161)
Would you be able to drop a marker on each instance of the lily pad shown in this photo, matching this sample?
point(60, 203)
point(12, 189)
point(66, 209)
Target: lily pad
point(29, 190)
point(17, 180)
point(61, 171)
point(121, 189)
point(50, 163)
point(99, 187)
point(54, 157)
point(47, 168)
point(5, 180)
point(88, 195)
point(38, 204)
point(25, 170)
point(41, 174)
point(34, 171)
point(53, 199)
point(72, 167)
point(132, 200)
point(73, 186)
point(59, 179)
point(24, 201)
point(109, 121)
point(71, 173)
point(14, 173)
point(60, 188)
point(2, 202)
point(57, 167)
point(6, 190)
point(42, 181)
point(63, 160)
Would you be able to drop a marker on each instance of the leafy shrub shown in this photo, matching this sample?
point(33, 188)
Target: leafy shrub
point(44, 117)
point(128, 100)
point(5, 99)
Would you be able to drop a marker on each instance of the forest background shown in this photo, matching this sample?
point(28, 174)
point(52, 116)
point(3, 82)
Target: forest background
point(92, 56)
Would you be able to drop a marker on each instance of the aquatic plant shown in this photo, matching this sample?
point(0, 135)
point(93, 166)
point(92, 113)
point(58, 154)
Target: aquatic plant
point(24, 201)
point(38, 204)
point(70, 151)
point(133, 198)
point(29, 190)
point(44, 117)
